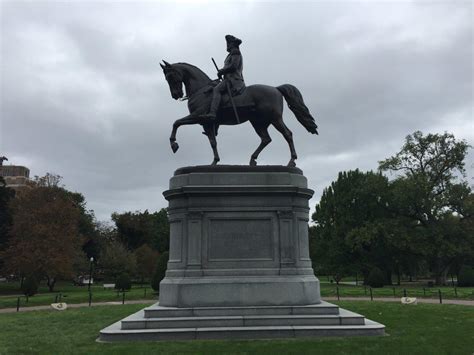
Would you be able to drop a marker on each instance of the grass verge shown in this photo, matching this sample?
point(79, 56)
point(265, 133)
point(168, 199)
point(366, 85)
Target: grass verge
point(420, 329)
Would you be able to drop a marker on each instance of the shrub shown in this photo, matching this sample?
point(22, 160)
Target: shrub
point(123, 282)
point(466, 276)
point(160, 271)
point(29, 286)
point(376, 278)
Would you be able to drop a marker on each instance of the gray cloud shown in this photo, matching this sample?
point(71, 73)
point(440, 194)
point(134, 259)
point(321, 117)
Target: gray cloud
point(82, 94)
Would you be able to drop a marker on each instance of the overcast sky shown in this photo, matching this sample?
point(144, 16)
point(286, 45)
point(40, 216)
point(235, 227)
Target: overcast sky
point(82, 94)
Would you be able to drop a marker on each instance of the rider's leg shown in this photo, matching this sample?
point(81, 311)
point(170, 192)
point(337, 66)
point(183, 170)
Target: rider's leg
point(216, 100)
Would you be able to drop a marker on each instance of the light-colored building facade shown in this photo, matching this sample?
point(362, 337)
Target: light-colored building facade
point(15, 176)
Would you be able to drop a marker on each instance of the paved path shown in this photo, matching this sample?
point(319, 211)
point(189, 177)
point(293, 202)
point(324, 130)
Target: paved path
point(75, 305)
point(392, 299)
point(378, 299)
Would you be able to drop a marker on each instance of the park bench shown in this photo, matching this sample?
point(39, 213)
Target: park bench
point(109, 286)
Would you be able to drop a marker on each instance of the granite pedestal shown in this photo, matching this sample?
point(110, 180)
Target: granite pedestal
point(239, 262)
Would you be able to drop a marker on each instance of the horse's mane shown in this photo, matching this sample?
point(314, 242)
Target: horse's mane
point(195, 68)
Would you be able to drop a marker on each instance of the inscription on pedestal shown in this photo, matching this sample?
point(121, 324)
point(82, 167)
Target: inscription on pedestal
point(240, 239)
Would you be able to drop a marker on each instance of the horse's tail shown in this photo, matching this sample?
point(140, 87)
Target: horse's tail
point(296, 104)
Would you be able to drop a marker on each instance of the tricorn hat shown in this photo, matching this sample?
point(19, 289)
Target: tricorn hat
point(233, 40)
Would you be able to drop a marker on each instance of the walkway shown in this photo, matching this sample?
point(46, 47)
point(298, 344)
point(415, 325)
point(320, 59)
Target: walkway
point(75, 305)
point(378, 299)
point(392, 299)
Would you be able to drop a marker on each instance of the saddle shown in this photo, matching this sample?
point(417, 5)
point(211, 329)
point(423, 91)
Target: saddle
point(240, 97)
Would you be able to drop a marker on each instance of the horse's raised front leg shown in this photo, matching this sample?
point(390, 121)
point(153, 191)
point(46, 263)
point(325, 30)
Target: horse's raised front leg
point(188, 120)
point(211, 134)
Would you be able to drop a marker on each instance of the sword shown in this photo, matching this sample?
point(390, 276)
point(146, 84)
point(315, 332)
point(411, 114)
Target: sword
point(229, 93)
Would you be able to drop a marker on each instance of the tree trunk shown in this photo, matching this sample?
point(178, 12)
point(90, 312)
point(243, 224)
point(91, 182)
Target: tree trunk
point(441, 275)
point(51, 282)
point(388, 276)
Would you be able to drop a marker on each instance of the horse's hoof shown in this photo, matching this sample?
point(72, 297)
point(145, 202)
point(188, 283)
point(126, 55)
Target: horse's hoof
point(214, 162)
point(253, 162)
point(291, 164)
point(174, 147)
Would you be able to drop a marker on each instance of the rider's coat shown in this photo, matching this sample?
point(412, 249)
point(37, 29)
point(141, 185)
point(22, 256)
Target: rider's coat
point(232, 71)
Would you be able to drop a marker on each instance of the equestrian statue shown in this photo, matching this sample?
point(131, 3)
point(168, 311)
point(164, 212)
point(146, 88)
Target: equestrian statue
point(228, 101)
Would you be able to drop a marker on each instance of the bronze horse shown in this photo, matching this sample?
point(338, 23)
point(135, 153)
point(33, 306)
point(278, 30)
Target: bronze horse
point(262, 105)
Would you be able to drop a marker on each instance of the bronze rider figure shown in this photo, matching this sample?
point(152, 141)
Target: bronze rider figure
point(232, 73)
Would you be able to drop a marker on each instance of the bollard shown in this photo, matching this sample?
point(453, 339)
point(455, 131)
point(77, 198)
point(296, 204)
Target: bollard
point(424, 292)
point(337, 292)
point(90, 298)
point(18, 304)
point(145, 292)
point(440, 297)
point(455, 292)
point(123, 297)
point(371, 296)
point(393, 291)
point(404, 292)
point(365, 290)
point(56, 299)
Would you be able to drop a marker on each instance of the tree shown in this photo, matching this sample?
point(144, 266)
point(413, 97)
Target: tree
point(45, 238)
point(160, 271)
point(146, 261)
point(29, 287)
point(376, 278)
point(87, 221)
point(123, 282)
point(431, 195)
point(6, 194)
point(115, 259)
point(138, 228)
point(347, 236)
point(48, 180)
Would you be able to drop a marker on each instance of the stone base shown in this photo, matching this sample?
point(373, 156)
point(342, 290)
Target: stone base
point(264, 322)
point(239, 265)
point(240, 291)
point(238, 237)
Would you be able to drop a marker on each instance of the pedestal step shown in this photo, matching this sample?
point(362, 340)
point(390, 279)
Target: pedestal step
point(139, 322)
point(322, 308)
point(161, 323)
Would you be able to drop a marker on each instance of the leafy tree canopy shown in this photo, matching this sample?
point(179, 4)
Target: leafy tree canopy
point(430, 192)
point(138, 228)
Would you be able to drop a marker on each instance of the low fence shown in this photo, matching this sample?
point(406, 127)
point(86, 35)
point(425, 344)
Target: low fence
point(83, 297)
point(340, 291)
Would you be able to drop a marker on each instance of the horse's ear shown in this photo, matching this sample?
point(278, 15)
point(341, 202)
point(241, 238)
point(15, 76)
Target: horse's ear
point(166, 63)
point(162, 66)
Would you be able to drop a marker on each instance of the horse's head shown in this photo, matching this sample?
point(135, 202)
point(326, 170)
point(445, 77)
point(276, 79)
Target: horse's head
point(174, 77)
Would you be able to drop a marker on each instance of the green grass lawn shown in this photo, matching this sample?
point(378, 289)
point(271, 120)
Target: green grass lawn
point(420, 329)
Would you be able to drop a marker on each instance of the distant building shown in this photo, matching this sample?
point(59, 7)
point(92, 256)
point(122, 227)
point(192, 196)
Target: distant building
point(16, 177)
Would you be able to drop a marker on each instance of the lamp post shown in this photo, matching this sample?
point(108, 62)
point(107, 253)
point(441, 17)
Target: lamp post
point(90, 273)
